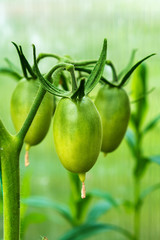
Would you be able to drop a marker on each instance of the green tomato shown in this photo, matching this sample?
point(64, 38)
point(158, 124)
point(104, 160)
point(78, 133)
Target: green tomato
point(21, 102)
point(77, 131)
point(114, 108)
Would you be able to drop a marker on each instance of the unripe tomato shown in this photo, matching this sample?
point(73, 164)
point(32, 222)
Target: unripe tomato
point(77, 131)
point(114, 108)
point(21, 102)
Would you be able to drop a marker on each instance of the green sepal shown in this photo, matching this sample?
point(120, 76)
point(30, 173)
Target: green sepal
point(46, 84)
point(103, 79)
point(97, 72)
point(79, 93)
point(129, 64)
point(11, 72)
point(21, 61)
point(27, 65)
point(12, 66)
point(24, 63)
point(128, 74)
point(114, 73)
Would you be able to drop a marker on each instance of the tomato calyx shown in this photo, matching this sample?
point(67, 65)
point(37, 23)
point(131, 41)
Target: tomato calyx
point(79, 93)
point(128, 74)
point(116, 82)
point(26, 67)
point(87, 87)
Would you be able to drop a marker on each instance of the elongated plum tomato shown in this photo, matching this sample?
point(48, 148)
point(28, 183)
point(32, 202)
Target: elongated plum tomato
point(114, 108)
point(77, 131)
point(21, 102)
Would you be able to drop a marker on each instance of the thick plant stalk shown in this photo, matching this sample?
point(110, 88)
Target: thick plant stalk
point(9, 158)
point(10, 149)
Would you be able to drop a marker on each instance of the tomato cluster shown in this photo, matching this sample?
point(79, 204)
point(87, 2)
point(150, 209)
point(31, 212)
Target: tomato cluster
point(81, 128)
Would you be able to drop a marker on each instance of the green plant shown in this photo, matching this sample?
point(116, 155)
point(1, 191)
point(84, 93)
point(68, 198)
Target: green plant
point(11, 145)
point(134, 137)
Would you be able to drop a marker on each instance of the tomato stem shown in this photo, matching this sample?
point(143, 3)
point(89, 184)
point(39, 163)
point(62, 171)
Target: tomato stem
point(39, 97)
point(74, 81)
point(44, 55)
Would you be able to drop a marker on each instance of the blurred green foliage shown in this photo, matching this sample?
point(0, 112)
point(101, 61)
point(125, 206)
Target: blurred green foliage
point(77, 28)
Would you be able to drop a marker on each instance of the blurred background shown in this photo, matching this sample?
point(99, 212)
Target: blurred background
point(77, 28)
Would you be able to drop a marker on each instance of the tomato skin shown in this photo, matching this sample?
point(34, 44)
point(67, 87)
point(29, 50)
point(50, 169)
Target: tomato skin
point(114, 108)
point(21, 102)
point(77, 134)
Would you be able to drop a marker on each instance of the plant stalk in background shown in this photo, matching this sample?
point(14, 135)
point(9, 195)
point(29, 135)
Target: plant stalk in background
point(134, 139)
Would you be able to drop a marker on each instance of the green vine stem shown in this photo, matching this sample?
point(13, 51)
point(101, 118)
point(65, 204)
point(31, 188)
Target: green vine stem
point(137, 209)
point(10, 151)
point(44, 55)
point(39, 97)
point(78, 205)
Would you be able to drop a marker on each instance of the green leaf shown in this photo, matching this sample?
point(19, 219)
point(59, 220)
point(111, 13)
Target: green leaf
point(90, 229)
point(130, 138)
point(154, 159)
point(41, 202)
point(151, 124)
point(128, 74)
point(103, 195)
point(31, 218)
point(97, 72)
point(149, 190)
point(98, 210)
